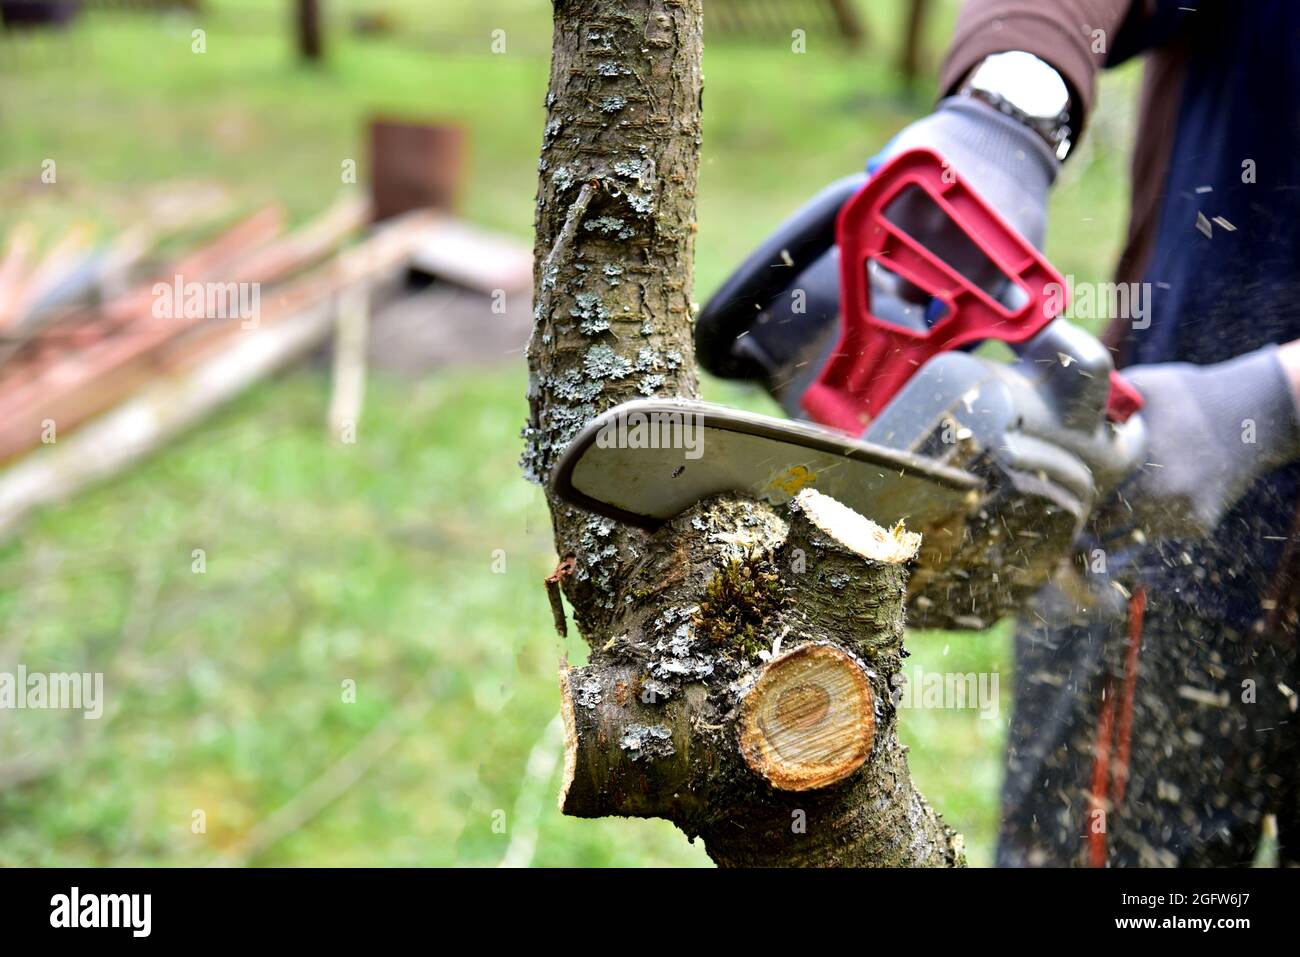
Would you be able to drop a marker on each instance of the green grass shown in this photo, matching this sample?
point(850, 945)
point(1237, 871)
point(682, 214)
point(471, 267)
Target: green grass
point(374, 562)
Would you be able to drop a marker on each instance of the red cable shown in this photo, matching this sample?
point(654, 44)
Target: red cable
point(1100, 771)
point(1137, 608)
point(1100, 795)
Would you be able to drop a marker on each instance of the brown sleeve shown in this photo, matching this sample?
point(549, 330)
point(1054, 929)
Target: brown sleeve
point(1057, 31)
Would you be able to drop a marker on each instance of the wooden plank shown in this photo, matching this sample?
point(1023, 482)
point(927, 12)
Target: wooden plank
point(64, 358)
point(172, 403)
point(89, 353)
point(82, 385)
point(348, 381)
point(473, 257)
point(133, 430)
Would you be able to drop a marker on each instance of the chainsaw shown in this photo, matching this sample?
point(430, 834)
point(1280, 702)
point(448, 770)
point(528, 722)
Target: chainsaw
point(996, 464)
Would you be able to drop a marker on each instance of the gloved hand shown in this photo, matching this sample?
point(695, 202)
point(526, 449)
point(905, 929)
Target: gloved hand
point(1212, 432)
point(1004, 161)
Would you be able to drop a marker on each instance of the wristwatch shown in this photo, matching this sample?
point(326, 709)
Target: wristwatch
point(1027, 89)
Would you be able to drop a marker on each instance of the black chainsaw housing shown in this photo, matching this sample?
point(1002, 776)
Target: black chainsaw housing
point(767, 274)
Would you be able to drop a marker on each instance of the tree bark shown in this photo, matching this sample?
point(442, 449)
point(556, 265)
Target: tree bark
point(614, 248)
point(742, 657)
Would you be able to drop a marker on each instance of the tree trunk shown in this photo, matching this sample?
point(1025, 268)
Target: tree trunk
point(311, 42)
point(742, 658)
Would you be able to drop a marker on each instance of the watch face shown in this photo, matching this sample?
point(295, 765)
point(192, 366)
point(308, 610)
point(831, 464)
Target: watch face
point(1025, 82)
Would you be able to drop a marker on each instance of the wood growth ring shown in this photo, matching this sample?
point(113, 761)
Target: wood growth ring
point(809, 720)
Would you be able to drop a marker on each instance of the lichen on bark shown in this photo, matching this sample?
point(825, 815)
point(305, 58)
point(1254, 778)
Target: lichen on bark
point(690, 626)
point(615, 229)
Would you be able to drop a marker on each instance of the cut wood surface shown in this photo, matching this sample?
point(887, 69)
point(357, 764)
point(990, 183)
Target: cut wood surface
point(782, 751)
point(808, 720)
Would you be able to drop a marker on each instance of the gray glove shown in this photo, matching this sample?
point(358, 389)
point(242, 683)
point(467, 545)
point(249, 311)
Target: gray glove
point(1003, 160)
point(1008, 165)
point(1212, 432)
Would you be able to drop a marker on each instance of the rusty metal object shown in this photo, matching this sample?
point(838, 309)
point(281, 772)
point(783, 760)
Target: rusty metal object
point(415, 166)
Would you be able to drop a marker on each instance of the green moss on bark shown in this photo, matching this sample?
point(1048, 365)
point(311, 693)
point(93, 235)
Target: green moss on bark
point(740, 604)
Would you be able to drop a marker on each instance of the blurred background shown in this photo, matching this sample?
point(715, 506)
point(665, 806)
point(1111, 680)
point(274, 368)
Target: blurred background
point(312, 576)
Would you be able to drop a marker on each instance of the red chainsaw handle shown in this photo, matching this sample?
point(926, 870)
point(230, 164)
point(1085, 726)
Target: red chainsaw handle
point(875, 358)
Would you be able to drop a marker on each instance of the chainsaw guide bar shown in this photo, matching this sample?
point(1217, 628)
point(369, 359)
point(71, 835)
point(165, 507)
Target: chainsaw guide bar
point(645, 461)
